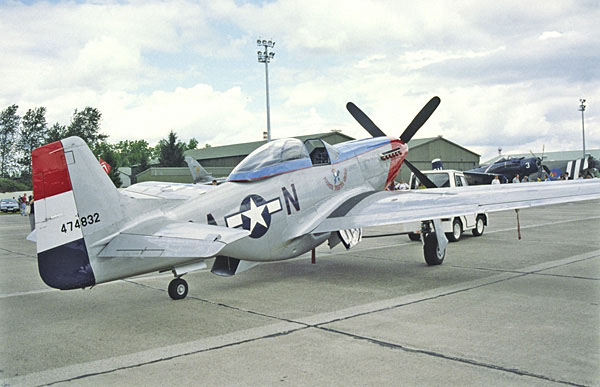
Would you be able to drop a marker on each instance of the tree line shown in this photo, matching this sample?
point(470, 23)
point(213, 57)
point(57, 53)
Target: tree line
point(19, 135)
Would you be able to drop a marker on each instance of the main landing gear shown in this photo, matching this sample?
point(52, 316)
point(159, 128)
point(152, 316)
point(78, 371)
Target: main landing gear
point(434, 244)
point(178, 288)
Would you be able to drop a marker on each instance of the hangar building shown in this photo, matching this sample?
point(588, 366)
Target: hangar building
point(219, 161)
point(422, 150)
point(553, 156)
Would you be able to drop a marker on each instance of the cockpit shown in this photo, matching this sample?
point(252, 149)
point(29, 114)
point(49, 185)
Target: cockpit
point(281, 156)
point(504, 159)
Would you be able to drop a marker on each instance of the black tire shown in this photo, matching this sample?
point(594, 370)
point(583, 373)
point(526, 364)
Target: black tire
point(479, 226)
point(454, 236)
point(178, 289)
point(430, 249)
point(414, 237)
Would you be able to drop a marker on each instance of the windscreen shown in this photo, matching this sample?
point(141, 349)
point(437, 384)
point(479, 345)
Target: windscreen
point(439, 179)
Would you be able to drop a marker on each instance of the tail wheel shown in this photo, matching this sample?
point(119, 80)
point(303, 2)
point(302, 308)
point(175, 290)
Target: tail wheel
point(479, 226)
point(454, 236)
point(433, 254)
point(178, 289)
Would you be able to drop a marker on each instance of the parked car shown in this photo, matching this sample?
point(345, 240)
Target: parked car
point(7, 205)
point(453, 227)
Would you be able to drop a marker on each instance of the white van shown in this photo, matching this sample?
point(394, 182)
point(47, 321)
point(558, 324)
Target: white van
point(456, 226)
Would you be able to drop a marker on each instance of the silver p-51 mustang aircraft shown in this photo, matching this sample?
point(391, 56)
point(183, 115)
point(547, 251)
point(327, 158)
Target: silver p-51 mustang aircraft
point(284, 199)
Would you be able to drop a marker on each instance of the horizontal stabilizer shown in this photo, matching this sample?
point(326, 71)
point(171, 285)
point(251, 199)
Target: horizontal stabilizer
point(178, 240)
point(162, 190)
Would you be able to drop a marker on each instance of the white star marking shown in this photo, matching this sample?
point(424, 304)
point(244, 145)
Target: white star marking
point(255, 215)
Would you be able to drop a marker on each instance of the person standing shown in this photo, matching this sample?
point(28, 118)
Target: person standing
point(23, 204)
point(31, 213)
point(516, 179)
point(402, 186)
point(496, 180)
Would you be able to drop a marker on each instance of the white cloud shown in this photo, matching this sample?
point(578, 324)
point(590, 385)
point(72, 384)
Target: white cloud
point(549, 35)
point(413, 60)
point(106, 62)
point(201, 112)
point(368, 62)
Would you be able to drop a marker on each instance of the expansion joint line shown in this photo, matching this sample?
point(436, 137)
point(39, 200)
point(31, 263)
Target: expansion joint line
point(91, 374)
point(18, 253)
point(221, 304)
point(448, 357)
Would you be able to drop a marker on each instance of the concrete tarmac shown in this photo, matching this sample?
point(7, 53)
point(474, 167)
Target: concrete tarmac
point(499, 311)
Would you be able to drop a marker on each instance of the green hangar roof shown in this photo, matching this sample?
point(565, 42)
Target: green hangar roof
point(244, 149)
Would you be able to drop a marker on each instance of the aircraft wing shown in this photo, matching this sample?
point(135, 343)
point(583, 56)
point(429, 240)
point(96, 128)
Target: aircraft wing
point(176, 240)
point(382, 208)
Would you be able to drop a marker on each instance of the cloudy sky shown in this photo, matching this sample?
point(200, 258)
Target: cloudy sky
point(509, 73)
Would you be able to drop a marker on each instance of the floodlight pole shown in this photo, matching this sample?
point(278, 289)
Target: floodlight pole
point(265, 57)
point(582, 109)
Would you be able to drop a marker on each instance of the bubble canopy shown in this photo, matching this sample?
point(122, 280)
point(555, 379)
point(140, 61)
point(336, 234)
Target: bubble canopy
point(273, 158)
point(284, 155)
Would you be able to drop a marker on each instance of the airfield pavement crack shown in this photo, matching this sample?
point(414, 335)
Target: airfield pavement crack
point(18, 253)
point(537, 272)
point(472, 362)
point(521, 272)
point(222, 304)
point(168, 358)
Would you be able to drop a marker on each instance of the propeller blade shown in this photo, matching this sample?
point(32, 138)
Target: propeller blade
point(422, 178)
point(420, 119)
point(543, 146)
point(364, 120)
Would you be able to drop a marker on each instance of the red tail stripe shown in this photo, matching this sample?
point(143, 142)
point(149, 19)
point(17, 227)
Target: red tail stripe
point(50, 173)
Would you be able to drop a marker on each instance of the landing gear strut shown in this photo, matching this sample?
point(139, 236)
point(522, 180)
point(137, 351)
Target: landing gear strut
point(178, 288)
point(434, 244)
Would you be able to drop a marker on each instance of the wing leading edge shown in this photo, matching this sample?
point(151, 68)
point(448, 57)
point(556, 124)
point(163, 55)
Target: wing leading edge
point(384, 208)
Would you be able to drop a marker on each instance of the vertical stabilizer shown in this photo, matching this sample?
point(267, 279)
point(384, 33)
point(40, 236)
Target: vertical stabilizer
point(199, 174)
point(75, 203)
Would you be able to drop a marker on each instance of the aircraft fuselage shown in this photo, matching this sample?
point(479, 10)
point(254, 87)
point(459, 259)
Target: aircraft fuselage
point(281, 211)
